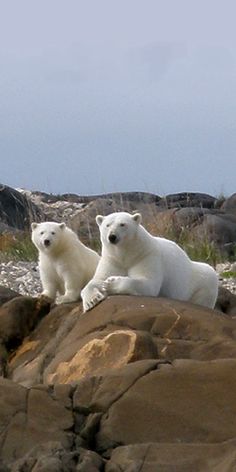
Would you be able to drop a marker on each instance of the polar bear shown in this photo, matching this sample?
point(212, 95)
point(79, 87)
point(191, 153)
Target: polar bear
point(134, 262)
point(65, 264)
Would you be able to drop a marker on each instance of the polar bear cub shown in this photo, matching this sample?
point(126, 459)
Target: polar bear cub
point(134, 262)
point(65, 264)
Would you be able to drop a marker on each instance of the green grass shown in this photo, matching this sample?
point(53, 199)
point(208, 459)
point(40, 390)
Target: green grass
point(198, 248)
point(202, 250)
point(228, 274)
point(17, 248)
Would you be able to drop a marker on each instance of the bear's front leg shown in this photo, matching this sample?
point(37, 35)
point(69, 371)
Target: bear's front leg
point(92, 294)
point(72, 288)
point(115, 284)
point(130, 286)
point(49, 289)
point(67, 298)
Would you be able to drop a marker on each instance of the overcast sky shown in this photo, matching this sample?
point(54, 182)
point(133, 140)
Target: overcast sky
point(102, 95)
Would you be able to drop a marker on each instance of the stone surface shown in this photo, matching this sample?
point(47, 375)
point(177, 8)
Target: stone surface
point(113, 351)
point(67, 341)
point(30, 418)
point(174, 403)
point(201, 212)
point(137, 383)
point(18, 317)
point(155, 457)
point(16, 210)
point(6, 294)
point(226, 301)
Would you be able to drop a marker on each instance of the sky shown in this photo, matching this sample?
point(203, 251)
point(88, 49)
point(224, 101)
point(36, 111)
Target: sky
point(114, 96)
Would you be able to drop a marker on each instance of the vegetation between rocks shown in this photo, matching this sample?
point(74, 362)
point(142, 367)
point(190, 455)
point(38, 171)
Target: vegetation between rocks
point(17, 248)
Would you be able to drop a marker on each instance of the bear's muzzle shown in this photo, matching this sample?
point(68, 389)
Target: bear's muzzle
point(113, 239)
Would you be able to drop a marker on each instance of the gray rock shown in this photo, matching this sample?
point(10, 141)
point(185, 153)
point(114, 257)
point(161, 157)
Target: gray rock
point(16, 210)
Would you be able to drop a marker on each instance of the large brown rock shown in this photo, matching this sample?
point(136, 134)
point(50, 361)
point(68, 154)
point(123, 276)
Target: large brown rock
point(67, 344)
point(189, 401)
point(146, 382)
point(18, 317)
point(226, 302)
point(30, 418)
point(156, 457)
point(7, 294)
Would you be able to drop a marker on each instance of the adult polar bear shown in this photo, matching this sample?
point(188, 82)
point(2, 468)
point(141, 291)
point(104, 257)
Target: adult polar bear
point(134, 262)
point(65, 264)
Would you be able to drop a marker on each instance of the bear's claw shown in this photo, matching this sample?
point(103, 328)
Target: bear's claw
point(94, 301)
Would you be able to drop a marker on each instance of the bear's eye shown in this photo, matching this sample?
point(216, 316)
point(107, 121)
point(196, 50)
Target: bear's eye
point(42, 232)
point(122, 224)
point(107, 225)
point(52, 232)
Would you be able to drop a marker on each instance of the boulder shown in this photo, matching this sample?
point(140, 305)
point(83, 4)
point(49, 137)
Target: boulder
point(6, 294)
point(16, 210)
point(188, 199)
point(136, 383)
point(226, 302)
point(229, 205)
point(30, 418)
point(19, 316)
point(201, 214)
point(167, 457)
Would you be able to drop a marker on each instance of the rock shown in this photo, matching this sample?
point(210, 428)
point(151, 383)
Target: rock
point(188, 199)
point(6, 294)
point(47, 457)
point(153, 457)
point(18, 317)
point(16, 210)
point(114, 350)
point(202, 214)
point(30, 418)
point(226, 302)
point(170, 405)
point(21, 276)
point(89, 461)
point(229, 205)
point(119, 197)
point(218, 227)
point(66, 344)
point(136, 383)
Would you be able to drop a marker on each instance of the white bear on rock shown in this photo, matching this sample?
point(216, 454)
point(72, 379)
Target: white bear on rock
point(134, 262)
point(66, 265)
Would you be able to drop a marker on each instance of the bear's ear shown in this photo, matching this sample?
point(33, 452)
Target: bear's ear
point(34, 226)
point(99, 219)
point(137, 217)
point(62, 225)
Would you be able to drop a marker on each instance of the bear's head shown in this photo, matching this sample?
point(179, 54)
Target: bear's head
point(117, 229)
point(47, 236)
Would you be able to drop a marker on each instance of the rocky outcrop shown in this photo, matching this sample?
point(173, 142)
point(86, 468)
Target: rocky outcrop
point(137, 383)
point(16, 210)
point(229, 205)
point(188, 200)
point(205, 216)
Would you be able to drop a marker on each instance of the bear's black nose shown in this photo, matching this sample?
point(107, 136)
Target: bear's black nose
point(46, 242)
point(112, 238)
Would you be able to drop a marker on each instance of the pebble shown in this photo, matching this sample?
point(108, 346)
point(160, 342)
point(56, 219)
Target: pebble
point(227, 282)
point(23, 277)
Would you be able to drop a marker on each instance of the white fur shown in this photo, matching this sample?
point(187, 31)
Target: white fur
point(66, 265)
point(134, 262)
